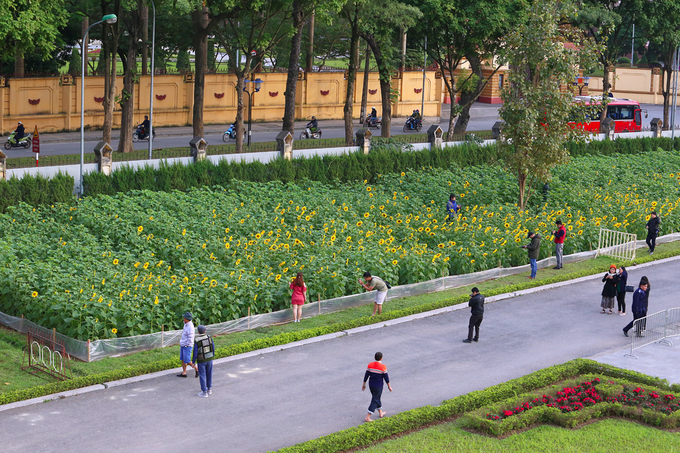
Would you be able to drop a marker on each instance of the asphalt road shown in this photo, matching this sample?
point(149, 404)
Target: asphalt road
point(278, 399)
point(483, 116)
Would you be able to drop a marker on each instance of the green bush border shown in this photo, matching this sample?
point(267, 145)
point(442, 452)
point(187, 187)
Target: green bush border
point(477, 421)
point(285, 338)
point(369, 433)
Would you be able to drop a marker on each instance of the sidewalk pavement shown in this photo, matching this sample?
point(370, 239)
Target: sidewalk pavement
point(265, 401)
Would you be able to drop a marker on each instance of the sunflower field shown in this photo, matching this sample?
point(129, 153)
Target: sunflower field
point(128, 264)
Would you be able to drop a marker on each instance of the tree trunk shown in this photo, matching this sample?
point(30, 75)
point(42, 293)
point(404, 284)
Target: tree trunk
point(351, 81)
point(668, 76)
point(240, 108)
point(310, 50)
point(293, 68)
point(145, 40)
point(18, 61)
point(606, 86)
point(135, 21)
point(522, 179)
point(110, 65)
point(467, 98)
point(364, 92)
point(385, 85)
point(200, 22)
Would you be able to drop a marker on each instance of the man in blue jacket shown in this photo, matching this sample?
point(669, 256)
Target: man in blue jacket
point(639, 307)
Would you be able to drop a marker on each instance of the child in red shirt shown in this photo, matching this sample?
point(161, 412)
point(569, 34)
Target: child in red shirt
point(377, 373)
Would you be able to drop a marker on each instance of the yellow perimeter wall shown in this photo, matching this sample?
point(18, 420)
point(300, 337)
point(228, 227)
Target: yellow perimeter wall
point(53, 103)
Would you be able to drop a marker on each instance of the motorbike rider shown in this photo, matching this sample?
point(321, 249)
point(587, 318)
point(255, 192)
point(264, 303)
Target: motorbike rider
point(373, 117)
point(416, 115)
point(19, 132)
point(313, 125)
point(145, 126)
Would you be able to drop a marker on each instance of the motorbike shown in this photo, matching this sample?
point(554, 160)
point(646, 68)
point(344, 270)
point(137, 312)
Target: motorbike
point(138, 135)
point(24, 142)
point(307, 133)
point(412, 123)
point(373, 122)
point(230, 134)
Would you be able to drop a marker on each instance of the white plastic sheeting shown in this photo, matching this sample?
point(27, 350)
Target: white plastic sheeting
point(99, 349)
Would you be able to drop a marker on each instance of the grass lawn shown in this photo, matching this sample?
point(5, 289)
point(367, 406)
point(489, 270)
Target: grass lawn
point(604, 436)
point(12, 343)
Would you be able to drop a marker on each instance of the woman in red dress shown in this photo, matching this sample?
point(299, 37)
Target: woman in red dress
point(299, 295)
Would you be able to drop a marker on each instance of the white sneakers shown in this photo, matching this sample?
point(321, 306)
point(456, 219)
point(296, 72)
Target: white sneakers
point(203, 394)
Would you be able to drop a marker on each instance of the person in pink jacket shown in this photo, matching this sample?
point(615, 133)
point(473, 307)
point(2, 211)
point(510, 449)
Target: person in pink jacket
point(299, 295)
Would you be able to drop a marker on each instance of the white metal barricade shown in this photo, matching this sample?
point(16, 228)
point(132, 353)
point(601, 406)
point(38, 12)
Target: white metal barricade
point(617, 244)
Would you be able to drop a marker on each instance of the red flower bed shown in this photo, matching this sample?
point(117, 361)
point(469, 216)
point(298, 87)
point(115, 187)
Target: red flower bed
point(571, 399)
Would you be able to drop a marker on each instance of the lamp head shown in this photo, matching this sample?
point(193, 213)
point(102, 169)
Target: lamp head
point(110, 19)
point(258, 84)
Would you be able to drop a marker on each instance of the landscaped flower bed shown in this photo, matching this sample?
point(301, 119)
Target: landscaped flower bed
point(577, 402)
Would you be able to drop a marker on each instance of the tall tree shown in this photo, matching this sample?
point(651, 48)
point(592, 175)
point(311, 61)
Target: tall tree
point(30, 26)
point(460, 32)
point(205, 17)
point(380, 19)
point(133, 20)
point(253, 33)
point(609, 24)
point(298, 14)
point(544, 58)
point(111, 34)
point(662, 23)
point(352, 12)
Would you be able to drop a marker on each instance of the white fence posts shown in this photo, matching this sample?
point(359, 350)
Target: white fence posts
point(617, 244)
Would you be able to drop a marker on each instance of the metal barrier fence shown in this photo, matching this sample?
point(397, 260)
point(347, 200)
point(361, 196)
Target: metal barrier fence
point(617, 244)
point(655, 328)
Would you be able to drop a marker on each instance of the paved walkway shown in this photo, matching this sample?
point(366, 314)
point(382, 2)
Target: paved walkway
point(267, 401)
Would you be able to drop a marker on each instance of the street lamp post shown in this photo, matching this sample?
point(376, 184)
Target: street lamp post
point(153, 69)
point(258, 85)
point(581, 83)
point(109, 19)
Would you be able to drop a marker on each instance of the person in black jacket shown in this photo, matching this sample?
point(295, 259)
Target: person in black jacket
point(621, 290)
point(640, 305)
point(476, 303)
point(611, 280)
point(652, 231)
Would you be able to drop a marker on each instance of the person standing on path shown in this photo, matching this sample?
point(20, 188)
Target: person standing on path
point(376, 373)
point(560, 233)
point(621, 290)
point(476, 303)
point(652, 231)
point(186, 343)
point(640, 303)
point(534, 248)
point(204, 353)
point(380, 286)
point(299, 296)
point(611, 280)
point(452, 207)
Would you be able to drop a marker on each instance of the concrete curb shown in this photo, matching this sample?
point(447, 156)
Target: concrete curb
point(52, 397)
point(330, 336)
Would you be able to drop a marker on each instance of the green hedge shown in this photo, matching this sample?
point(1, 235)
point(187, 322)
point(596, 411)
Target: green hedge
point(384, 158)
point(369, 433)
point(36, 190)
point(477, 420)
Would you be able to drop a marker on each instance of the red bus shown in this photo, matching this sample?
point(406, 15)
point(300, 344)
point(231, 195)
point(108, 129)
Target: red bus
point(626, 114)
